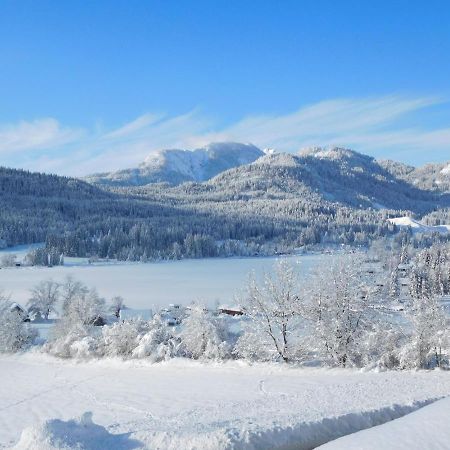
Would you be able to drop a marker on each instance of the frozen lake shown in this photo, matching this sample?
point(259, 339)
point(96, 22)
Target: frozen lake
point(211, 281)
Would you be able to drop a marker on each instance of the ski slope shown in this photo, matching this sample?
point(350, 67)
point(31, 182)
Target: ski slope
point(188, 405)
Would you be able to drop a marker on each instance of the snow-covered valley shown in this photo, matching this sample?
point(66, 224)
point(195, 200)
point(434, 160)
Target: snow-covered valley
point(190, 405)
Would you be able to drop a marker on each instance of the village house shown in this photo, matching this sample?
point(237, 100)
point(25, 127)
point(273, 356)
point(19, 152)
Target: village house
point(15, 307)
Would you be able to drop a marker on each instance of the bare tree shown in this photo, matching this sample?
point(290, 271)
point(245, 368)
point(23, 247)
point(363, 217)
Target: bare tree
point(44, 297)
point(71, 289)
point(117, 304)
point(273, 308)
point(339, 311)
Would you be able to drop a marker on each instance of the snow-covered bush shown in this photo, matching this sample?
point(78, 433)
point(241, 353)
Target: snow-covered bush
point(158, 343)
point(77, 340)
point(381, 346)
point(254, 345)
point(15, 334)
point(87, 347)
point(428, 345)
point(204, 336)
point(122, 338)
point(81, 310)
point(8, 260)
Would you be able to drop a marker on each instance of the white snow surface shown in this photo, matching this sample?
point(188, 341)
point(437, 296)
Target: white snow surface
point(428, 428)
point(154, 285)
point(183, 404)
point(416, 226)
point(82, 433)
point(202, 163)
point(446, 170)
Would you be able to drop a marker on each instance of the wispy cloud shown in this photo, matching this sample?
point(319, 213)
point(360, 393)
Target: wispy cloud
point(137, 125)
point(327, 118)
point(36, 135)
point(372, 125)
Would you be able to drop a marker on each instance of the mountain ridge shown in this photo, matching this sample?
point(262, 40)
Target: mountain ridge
point(176, 166)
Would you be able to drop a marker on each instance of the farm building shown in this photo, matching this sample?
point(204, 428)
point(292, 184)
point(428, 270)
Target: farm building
point(15, 307)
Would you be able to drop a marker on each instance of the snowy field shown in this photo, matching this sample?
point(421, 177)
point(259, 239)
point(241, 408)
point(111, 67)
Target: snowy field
point(187, 405)
point(153, 285)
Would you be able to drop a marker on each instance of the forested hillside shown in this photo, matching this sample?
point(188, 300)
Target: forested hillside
point(431, 176)
point(275, 204)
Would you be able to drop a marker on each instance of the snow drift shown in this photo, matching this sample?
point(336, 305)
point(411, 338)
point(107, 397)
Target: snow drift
point(79, 434)
point(427, 428)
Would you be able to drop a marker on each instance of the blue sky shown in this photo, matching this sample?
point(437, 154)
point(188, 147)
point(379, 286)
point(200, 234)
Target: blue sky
point(88, 86)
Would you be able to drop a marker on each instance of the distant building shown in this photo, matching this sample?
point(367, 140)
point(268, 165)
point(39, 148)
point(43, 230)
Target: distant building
point(231, 310)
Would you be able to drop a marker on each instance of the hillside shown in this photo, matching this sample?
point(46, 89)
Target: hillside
point(434, 177)
point(337, 175)
point(333, 176)
point(359, 180)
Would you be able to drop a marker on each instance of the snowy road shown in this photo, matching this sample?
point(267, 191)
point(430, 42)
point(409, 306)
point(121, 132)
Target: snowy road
point(184, 404)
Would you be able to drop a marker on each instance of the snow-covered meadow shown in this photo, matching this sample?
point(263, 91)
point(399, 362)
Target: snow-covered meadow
point(270, 383)
point(153, 285)
point(185, 404)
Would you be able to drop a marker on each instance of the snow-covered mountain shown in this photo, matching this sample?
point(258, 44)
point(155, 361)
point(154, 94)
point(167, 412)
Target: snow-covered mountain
point(336, 175)
point(176, 166)
point(277, 202)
